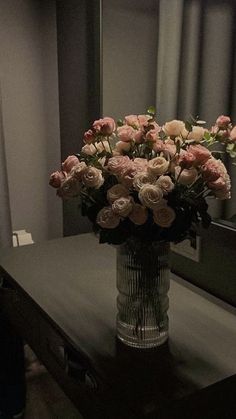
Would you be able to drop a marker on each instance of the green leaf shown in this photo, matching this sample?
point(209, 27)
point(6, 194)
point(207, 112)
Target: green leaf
point(151, 111)
point(119, 123)
point(207, 136)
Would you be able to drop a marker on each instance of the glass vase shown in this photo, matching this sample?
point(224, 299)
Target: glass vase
point(142, 302)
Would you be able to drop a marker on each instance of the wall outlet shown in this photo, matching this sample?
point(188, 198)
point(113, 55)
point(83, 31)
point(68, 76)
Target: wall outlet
point(190, 248)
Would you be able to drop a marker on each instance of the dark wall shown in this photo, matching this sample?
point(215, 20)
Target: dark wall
point(216, 271)
point(78, 43)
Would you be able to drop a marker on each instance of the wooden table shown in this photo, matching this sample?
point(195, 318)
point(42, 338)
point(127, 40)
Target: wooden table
point(60, 296)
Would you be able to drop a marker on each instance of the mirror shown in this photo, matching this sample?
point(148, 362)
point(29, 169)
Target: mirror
point(178, 56)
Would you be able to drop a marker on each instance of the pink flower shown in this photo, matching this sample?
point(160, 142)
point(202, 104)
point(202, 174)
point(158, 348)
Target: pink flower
point(201, 154)
point(138, 136)
point(186, 160)
point(211, 170)
point(223, 122)
point(56, 179)
point(152, 135)
point(104, 126)
point(107, 219)
point(122, 206)
point(70, 162)
point(126, 133)
point(118, 164)
point(89, 137)
point(127, 176)
point(158, 146)
point(140, 164)
point(233, 134)
point(217, 185)
point(138, 214)
point(69, 188)
point(132, 120)
point(144, 119)
point(169, 150)
point(164, 216)
point(165, 183)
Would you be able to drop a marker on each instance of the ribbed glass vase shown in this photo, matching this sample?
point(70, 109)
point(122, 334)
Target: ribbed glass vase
point(142, 302)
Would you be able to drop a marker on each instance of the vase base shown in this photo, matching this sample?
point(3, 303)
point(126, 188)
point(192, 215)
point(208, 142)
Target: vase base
point(148, 338)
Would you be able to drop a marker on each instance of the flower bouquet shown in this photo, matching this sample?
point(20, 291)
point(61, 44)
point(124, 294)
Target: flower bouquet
point(143, 185)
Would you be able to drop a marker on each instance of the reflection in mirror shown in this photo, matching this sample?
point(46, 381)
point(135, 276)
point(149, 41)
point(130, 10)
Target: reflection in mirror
point(179, 55)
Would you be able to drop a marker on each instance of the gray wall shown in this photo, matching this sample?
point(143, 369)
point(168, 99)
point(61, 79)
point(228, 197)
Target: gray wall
point(28, 76)
point(129, 56)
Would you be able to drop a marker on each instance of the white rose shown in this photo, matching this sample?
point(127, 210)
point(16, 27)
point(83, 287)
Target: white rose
point(187, 176)
point(164, 216)
point(174, 128)
point(165, 183)
point(122, 206)
point(116, 192)
point(122, 146)
point(138, 214)
point(196, 134)
point(158, 166)
point(141, 179)
point(107, 219)
point(78, 170)
point(89, 149)
point(150, 195)
point(103, 146)
point(92, 177)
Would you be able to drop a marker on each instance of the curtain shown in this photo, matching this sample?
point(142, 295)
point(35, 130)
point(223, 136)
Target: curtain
point(5, 215)
point(196, 68)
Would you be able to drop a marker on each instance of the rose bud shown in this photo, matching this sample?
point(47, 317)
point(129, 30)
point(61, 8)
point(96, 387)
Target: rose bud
point(70, 162)
point(56, 179)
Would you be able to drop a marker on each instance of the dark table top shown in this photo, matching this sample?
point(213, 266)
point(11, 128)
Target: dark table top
point(73, 281)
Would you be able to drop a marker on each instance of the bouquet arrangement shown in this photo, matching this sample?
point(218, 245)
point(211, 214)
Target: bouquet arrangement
point(139, 179)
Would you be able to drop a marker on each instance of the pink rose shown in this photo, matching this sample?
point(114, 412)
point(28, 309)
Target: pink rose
point(138, 136)
point(233, 134)
point(141, 179)
point(223, 122)
point(118, 164)
point(140, 164)
point(56, 179)
point(78, 170)
point(107, 219)
point(92, 177)
point(158, 166)
point(186, 160)
point(201, 154)
point(164, 216)
point(70, 162)
point(126, 133)
point(89, 137)
point(158, 146)
point(217, 185)
point(144, 119)
point(150, 195)
point(169, 150)
point(152, 135)
point(165, 183)
point(211, 170)
point(104, 126)
point(127, 176)
point(132, 120)
point(123, 206)
point(117, 191)
point(69, 188)
point(138, 215)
